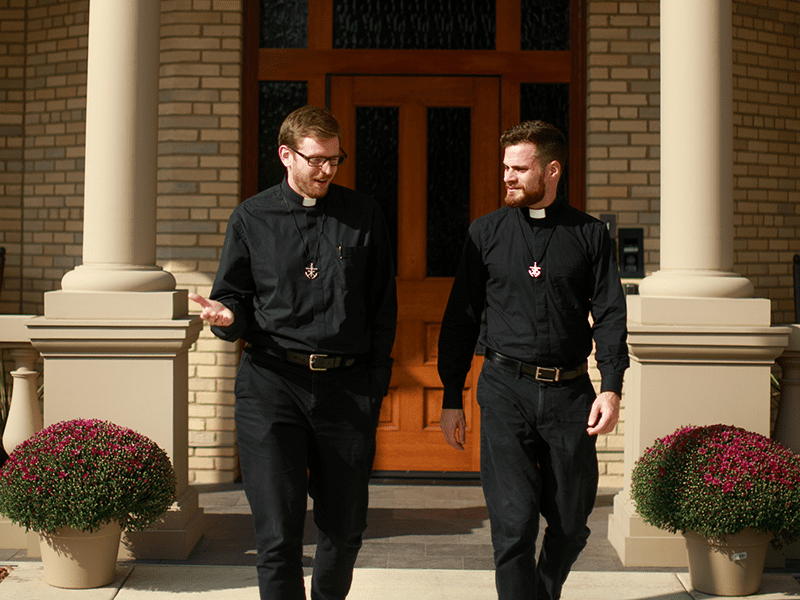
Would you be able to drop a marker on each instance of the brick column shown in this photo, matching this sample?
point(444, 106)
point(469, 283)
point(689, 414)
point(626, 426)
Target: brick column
point(198, 184)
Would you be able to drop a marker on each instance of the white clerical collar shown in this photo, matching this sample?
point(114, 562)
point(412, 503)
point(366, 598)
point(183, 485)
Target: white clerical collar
point(309, 201)
point(537, 213)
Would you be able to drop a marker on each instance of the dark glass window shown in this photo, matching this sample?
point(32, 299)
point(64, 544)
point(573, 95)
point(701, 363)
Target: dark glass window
point(545, 24)
point(547, 102)
point(284, 24)
point(414, 24)
point(448, 187)
point(276, 99)
point(377, 135)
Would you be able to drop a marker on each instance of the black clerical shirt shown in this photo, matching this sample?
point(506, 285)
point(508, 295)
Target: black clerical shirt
point(540, 320)
point(349, 308)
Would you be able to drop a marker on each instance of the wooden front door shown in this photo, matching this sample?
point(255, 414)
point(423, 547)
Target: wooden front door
point(409, 438)
point(523, 59)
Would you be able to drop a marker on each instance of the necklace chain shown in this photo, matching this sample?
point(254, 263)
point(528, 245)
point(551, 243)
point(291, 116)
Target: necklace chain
point(534, 270)
point(310, 271)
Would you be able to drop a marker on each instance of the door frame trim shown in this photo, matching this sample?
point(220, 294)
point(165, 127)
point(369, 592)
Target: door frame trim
point(512, 65)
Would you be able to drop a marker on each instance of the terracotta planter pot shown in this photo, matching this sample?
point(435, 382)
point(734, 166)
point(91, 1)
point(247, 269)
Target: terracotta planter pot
point(732, 567)
point(77, 559)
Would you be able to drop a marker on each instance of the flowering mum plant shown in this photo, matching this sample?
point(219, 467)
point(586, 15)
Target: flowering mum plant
point(84, 474)
point(717, 480)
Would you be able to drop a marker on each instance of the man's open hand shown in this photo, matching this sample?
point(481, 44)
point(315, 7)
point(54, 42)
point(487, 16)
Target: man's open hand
point(213, 313)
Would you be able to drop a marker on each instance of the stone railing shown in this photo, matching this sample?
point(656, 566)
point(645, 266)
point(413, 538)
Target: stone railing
point(24, 416)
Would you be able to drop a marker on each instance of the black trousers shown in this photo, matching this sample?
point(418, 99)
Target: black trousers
point(305, 432)
point(536, 459)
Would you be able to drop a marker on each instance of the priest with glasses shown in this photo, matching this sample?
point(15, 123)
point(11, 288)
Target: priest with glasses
point(306, 281)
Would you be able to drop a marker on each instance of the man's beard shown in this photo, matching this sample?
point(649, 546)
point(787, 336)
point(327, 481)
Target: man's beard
point(311, 188)
point(527, 197)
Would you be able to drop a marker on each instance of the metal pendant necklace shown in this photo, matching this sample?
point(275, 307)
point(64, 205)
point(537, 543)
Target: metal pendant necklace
point(534, 270)
point(310, 271)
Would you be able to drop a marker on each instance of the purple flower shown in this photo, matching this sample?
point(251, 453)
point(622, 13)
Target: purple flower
point(86, 472)
point(716, 480)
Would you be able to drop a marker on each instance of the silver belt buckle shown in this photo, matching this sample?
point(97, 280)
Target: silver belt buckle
point(543, 372)
point(311, 360)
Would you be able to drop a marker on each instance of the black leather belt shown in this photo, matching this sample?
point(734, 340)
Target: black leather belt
point(547, 374)
point(315, 362)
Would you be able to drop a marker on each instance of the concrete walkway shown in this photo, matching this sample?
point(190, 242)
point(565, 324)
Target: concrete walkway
point(190, 582)
point(423, 542)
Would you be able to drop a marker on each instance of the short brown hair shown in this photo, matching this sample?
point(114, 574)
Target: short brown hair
point(549, 141)
point(308, 121)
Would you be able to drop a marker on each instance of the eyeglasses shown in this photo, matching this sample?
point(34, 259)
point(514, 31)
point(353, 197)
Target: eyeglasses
point(319, 161)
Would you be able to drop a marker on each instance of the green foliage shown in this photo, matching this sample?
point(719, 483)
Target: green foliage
point(84, 474)
point(718, 480)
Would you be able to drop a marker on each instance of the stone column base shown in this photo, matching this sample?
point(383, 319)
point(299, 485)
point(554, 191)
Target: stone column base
point(694, 361)
point(173, 537)
point(123, 357)
point(14, 537)
point(639, 544)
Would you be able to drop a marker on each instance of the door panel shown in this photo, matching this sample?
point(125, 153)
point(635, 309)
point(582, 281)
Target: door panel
point(409, 438)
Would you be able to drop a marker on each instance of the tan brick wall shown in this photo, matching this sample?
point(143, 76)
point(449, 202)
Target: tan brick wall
point(55, 122)
point(198, 186)
point(42, 120)
point(622, 174)
point(623, 138)
point(610, 447)
point(42, 125)
point(766, 74)
point(12, 103)
point(623, 125)
point(622, 145)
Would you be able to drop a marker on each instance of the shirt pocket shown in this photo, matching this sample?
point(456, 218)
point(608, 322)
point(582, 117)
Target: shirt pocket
point(353, 261)
point(571, 285)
